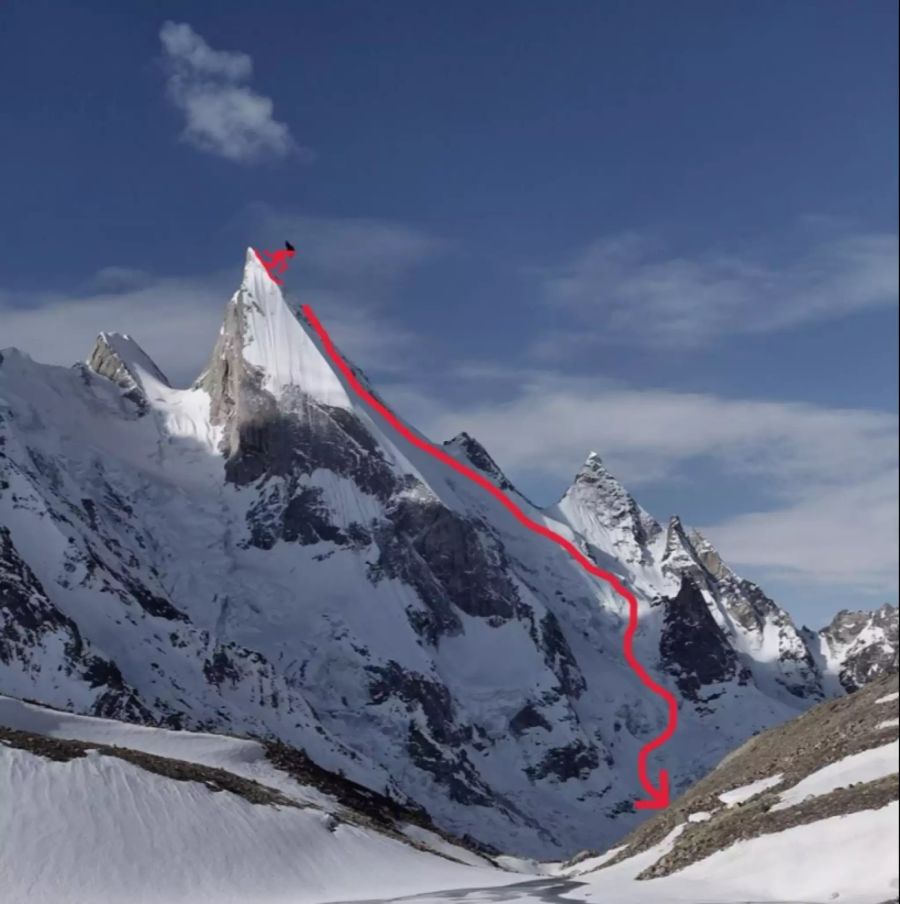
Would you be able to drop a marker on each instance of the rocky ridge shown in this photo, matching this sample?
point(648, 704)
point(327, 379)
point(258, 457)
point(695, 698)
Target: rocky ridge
point(260, 554)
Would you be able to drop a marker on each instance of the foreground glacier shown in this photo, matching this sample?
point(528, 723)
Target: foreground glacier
point(260, 555)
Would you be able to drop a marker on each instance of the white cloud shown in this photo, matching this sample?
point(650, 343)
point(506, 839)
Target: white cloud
point(844, 533)
point(369, 254)
point(825, 478)
point(345, 269)
point(174, 320)
point(117, 279)
point(186, 48)
point(223, 116)
point(631, 289)
point(551, 421)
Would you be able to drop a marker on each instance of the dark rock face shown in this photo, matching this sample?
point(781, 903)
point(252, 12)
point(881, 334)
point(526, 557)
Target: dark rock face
point(450, 768)
point(398, 559)
point(868, 645)
point(692, 647)
point(265, 438)
point(559, 658)
point(295, 513)
point(152, 603)
point(462, 560)
point(526, 718)
point(596, 487)
point(30, 627)
point(435, 741)
point(748, 609)
point(478, 456)
point(575, 761)
point(106, 361)
point(122, 584)
point(307, 435)
point(417, 691)
point(220, 669)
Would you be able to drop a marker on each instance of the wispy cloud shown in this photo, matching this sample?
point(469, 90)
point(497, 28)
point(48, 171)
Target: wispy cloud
point(826, 478)
point(345, 268)
point(223, 115)
point(368, 254)
point(838, 532)
point(631, 289)
point(175, 320)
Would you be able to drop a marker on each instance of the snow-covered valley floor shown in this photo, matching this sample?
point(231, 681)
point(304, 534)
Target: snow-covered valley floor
point(92, 828)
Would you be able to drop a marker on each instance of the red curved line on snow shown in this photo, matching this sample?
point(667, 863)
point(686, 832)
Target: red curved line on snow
point(659, 796)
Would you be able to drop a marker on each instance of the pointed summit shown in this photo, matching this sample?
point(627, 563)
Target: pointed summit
point(468, 449)
point(119, 358)
point(273, 390)
point(263, 344)
point(594, 473)
point(679, 554)
point(598, 506)
point(593, 466)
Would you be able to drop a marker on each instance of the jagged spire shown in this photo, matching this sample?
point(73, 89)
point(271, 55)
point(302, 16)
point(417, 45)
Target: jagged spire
point(119, 358)
point(263, 343)
point(468, 448)
point(600, 508)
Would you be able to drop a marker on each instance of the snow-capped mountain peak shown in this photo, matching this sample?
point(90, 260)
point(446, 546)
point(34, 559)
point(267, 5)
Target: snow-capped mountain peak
point(679, 551)
point(265, 343)
point(119, 358)
point(597, 506)
point(262, 554)
point(860, 646)
point(467, 449)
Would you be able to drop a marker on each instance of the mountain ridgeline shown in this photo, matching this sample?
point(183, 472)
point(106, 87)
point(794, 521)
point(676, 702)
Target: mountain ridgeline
point(260, 554)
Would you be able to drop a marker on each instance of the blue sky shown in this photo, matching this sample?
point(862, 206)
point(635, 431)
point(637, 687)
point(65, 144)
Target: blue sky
point(667, 232)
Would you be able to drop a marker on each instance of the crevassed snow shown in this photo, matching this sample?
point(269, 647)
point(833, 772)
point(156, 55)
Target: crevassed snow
point(866, 766)
point(888, 698)
point(745, 792)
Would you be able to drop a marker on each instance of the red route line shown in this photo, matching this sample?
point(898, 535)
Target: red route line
point(659, 796)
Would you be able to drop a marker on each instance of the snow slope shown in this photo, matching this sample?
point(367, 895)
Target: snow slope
point(746, 792)
point(98, 829)
point(845, 858)
point(866, 766)
point(261, 555)
point(94, 829)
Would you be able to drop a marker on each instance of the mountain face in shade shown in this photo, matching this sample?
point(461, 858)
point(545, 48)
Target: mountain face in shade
point(860, 647)
point(260, 554)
